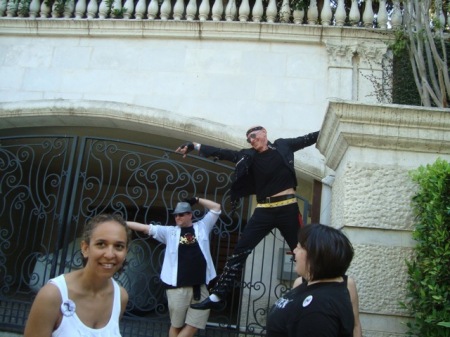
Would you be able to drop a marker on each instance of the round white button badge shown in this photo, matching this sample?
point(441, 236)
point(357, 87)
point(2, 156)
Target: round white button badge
point(307, 301)
point(68, 307)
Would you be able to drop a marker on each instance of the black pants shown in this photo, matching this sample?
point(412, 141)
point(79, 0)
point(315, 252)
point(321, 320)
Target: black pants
point(285, 218)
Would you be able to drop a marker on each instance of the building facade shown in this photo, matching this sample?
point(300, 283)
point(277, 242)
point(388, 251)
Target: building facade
point(166, 80)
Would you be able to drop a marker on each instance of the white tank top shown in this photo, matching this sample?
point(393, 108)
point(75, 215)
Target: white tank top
point(71, 325)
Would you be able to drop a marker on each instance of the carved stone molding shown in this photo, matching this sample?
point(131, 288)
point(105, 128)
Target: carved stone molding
point(371, 55)
point(235, 31)
point(89, 113)
point(340, 53)
point(388, 127)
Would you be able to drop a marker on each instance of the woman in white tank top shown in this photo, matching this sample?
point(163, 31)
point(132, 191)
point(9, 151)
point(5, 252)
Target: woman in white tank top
point(86, 302)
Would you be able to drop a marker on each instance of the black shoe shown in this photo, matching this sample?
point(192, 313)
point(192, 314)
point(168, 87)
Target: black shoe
point(208, 304)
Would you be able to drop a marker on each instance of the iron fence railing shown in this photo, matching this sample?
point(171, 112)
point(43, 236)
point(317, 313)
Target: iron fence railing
point(50, 185)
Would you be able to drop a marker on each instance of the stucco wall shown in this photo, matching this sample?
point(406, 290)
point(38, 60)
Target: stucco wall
point(280, 85)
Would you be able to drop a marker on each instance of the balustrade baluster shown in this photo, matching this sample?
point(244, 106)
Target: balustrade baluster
point(382, 17)
point(178, 10)
point(3, 4)
point(152, 9)
point(116, 8)
point(191, 10)
point(396, 15)
point(230, 10)
point(103, 10)
point(313, 12)
point(55, 13)
point(11, 8)
point(271, 11)
point(368, 14)
point(35, 6)
point(80, 9)
point(140, 9)
point(21, 11)
point(340, 13)
point(327, 14)
point(354, 15)
point(45, 10)
point(285, 11)
point(92, 9)
point(217, 10)
point(203, 12)
point(257, 11)
point(298, 15)
point(128, 8)
point(244, 11)
point(166, 10)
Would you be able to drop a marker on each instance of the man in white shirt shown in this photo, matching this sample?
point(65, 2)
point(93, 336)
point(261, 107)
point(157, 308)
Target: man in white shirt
point(188, 265)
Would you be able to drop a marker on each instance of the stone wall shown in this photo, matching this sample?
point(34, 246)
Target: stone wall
point(372, 149)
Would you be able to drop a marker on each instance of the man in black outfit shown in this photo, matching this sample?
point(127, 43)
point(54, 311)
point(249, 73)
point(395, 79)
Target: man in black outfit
point(267, 170)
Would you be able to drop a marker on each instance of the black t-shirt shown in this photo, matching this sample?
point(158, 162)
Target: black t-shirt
point(191, 262)
point(319, 310)
point(271, 174)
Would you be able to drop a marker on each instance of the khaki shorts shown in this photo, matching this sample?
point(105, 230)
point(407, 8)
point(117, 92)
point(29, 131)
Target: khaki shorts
point(179, 300)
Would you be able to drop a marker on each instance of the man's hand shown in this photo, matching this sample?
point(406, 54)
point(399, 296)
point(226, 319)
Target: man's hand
point(185, 148)
point(192, 201)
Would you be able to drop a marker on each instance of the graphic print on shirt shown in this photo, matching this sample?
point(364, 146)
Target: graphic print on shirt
point(191, 261)
point(282, 302)
point(188, 239)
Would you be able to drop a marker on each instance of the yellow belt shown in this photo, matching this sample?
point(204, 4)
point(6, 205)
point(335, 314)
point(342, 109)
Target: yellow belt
point(278, 203)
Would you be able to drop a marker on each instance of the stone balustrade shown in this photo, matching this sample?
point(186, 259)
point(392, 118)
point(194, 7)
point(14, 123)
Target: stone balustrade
point(332, 13)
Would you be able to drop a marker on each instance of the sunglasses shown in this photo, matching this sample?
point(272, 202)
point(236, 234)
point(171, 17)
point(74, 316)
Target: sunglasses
point(181, 214)
point(251, 136)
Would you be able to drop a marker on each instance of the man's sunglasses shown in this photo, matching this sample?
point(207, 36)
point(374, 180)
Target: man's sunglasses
point(181, 214)
point(251, 136)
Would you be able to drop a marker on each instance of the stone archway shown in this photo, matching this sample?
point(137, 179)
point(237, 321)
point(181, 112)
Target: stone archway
point(71, 113)
point(120, 123)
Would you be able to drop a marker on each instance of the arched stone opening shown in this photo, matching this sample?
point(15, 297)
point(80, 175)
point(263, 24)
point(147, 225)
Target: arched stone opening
point(82, 177)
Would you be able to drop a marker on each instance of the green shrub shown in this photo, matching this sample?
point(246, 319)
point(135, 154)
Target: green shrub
point(428, 285)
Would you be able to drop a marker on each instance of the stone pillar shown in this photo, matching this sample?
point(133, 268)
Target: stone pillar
point(340, 69)
point(371, 150)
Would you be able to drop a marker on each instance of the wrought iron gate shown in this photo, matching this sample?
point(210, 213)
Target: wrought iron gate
point(50, 185)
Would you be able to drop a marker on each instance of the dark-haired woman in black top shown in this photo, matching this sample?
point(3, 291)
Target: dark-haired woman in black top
point(320, 307)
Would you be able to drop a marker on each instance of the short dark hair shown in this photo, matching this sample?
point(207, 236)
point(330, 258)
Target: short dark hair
point(256, 128)
point(329, 251)
point(101, 218)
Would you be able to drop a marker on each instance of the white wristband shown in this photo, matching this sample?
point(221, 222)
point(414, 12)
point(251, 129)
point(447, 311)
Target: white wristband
point(197, 147)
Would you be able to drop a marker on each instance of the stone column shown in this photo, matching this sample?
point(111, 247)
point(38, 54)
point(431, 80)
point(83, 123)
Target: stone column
point(340, 69)
point(371, 150)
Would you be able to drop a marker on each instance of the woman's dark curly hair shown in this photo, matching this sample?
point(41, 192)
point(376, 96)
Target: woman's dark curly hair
point(329, 251)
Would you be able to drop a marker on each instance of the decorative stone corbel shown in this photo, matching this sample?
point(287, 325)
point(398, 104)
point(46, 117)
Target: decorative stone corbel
point(340, 54)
